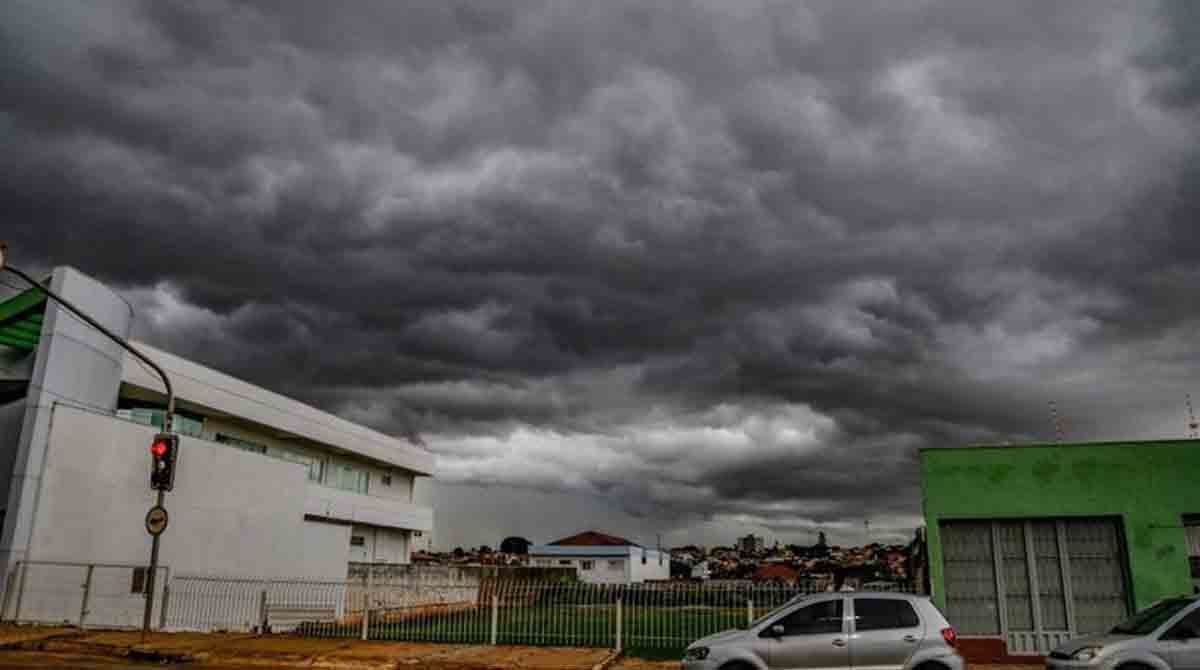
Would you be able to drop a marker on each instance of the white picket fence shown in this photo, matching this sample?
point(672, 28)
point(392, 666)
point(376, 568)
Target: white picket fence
point(484, 610)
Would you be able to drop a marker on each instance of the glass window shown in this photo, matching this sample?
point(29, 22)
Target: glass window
point(358, 541)
point(1148, 620)
point(817, 618)
point(314, 464)
point(1188, 628)
point(350, 478)
point(883, 614)
point(239, 443)
point(564, 562)
point(147, 416)
point(588, 565)
point(138, 583)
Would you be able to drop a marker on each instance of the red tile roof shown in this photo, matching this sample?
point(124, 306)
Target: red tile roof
point(591, 538)
point(775, 571)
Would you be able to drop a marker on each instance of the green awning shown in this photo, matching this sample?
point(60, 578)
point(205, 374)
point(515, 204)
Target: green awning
point(21, 319)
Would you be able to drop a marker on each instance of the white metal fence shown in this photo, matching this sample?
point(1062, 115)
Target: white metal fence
point(98, 595)
point(489, 610)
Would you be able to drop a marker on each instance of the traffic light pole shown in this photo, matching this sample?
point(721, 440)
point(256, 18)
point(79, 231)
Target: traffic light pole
point(153, 570)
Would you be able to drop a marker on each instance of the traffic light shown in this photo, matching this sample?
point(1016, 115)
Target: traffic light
point(163, 453)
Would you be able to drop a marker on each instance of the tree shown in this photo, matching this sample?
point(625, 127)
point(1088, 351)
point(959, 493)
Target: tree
point(484, 549)
point(515, 545)
point(821, 539)
point(458, 552)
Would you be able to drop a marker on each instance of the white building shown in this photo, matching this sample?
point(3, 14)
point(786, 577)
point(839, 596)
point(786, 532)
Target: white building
point(265, 486)
point(603, 559)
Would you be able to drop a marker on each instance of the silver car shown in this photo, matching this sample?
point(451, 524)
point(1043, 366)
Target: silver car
point(1165, 636)
point(881, 631)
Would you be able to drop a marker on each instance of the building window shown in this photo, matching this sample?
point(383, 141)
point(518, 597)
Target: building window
point(182, 424)
point(350, 478)
point(1191, 528)
point(239, 443)
point(615, 565)
point(588, 565)
point(138, 583)
point(564, 563)
point(358, 541)
point(314, 465)
point(387, 480)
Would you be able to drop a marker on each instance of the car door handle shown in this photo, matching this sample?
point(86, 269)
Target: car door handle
point(910, 638)
point(839, 642)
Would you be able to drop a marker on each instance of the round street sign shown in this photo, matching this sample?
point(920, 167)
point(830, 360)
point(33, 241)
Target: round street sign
point(156, 520)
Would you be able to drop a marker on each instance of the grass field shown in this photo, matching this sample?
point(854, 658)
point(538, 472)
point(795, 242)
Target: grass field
point(655, 632)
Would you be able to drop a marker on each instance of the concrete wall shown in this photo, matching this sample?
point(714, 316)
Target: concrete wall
point(346, 506)
point(1147, 485)
point(12, 416)
point(656, 567)
point(232, 512)
point(75, 365)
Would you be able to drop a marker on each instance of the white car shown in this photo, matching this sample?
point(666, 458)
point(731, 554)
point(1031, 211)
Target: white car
point(1165, 636)
point(880, 631)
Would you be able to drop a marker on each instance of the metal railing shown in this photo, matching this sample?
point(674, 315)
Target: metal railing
point(493, 611)
point(88, 595)
point(402, 606)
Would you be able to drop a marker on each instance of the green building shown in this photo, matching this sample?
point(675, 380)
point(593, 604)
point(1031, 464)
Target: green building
point(1030, 545)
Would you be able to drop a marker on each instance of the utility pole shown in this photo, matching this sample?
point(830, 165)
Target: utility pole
point(154, 542)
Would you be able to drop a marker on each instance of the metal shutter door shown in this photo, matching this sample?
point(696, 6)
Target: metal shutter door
point(970, 577)
point(1097, 576)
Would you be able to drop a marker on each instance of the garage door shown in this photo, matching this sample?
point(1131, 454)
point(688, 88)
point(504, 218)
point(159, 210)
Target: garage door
point(1036, 582)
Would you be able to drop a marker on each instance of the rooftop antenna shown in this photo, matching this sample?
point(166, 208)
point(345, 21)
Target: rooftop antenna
point(1057, 421)
point(1193, 426)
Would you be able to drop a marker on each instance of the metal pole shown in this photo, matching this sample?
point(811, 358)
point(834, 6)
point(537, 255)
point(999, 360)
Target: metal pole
point(150, 578)
point(166, 599)
point(148, 612)
point(367, 599)
point(87, 593)
point(618, 648)
point(495, 618)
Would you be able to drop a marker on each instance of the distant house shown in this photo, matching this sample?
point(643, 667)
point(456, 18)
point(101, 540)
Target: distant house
point(777, 573)
point(603, 559)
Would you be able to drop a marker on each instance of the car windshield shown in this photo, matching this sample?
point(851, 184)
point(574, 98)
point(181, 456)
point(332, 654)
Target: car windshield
point(1146, 621)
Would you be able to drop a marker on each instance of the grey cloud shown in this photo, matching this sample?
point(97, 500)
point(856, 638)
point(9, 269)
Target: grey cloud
point(526, 227)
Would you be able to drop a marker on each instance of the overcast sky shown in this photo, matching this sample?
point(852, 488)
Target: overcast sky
point(691, 268)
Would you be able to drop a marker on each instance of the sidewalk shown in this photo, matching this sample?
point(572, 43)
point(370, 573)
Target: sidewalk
point(30, 647)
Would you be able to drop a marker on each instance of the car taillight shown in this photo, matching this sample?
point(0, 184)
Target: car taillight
point(950, 636)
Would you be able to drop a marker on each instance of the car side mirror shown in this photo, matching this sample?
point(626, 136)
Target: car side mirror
point(777, 630)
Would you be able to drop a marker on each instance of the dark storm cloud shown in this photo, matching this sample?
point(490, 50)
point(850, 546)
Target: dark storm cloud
point(718, 261)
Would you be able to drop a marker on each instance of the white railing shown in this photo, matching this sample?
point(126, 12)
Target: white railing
point(644, 616)
point(403, 606)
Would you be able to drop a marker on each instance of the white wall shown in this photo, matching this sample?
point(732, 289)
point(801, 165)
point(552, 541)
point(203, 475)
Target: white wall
point(217, 391)
point(331, 503)
point(652, 569)
point(75, 364)
point(232, 512)
point(12, 415)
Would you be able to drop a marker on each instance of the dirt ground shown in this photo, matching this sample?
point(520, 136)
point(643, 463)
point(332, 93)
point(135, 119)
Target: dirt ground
point(31, 647)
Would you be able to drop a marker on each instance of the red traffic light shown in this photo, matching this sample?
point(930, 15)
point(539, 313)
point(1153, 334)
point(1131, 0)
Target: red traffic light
point(159, 449)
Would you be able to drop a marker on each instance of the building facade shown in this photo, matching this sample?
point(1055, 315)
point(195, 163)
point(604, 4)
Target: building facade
point(603, 559)
point(751, 544)
point(266, 486)
point(1031, 545)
